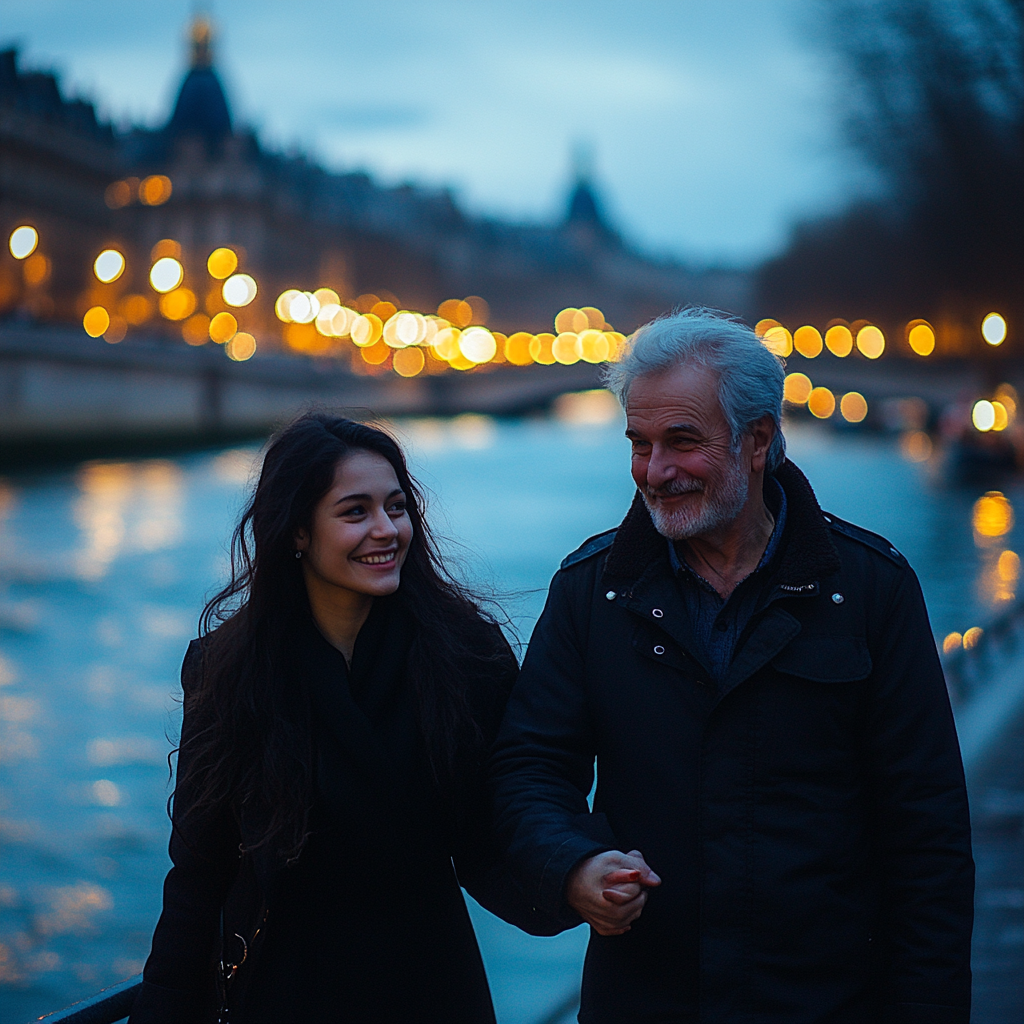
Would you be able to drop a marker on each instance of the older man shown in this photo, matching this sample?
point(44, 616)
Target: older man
point(779, 786)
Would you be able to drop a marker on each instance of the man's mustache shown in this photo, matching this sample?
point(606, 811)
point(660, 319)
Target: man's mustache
point(673, 488)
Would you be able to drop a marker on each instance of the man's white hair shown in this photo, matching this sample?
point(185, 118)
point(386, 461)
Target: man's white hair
point(750, 378)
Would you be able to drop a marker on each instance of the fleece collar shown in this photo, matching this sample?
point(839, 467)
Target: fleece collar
point(807, 554)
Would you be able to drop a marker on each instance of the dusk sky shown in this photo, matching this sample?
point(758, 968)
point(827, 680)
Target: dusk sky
point(711, 123)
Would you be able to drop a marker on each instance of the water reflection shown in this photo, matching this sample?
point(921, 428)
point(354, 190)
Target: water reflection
point(148, 494)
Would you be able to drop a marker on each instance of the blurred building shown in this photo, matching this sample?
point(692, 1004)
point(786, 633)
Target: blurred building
point(202, 181)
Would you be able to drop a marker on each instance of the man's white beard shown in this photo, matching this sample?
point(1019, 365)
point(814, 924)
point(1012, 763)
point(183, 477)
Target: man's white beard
point(715, 510)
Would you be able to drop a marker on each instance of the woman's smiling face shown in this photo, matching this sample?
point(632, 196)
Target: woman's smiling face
point(360, 531)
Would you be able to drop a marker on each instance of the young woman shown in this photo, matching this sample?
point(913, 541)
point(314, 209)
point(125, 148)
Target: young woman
point(338, 710)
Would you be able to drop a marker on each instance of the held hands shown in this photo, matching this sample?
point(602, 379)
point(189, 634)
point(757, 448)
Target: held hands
point(609, 891)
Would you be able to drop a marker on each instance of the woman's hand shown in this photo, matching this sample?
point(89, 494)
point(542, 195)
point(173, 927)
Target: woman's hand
point(609, 891)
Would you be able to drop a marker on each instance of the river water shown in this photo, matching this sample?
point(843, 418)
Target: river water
point(103, 571)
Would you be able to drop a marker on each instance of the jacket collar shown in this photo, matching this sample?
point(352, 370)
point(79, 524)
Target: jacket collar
point(807, 554)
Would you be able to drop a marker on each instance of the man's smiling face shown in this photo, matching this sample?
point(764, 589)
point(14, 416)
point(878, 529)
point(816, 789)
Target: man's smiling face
point(684, 463)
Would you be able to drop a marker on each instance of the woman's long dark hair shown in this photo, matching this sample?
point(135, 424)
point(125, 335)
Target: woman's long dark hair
point(250, 744)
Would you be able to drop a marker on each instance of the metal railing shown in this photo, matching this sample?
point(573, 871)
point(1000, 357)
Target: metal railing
point(106, 1007)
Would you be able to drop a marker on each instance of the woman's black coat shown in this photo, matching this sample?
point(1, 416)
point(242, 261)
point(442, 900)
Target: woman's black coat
point(369, 923)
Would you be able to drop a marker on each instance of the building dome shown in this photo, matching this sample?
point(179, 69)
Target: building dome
point(201, 110)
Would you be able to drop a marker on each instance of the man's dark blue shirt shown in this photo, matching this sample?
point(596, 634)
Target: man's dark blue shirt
point(718, 623)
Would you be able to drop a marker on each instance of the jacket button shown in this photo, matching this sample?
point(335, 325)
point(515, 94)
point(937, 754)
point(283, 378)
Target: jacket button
point(657, 613)
point(610, 596)
point(659, 649)
point(838, 598)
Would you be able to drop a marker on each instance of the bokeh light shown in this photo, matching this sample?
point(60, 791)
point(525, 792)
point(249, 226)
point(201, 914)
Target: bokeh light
point(854, 407)
point(178, 304)
point(972, 636)
point(952, 642)
point(821, 403)
point(992, 515)
point(241, 347)
point(916, 446)
point(108, 266)
point(839, 340)
point(540, 349)
point(223, 328)
point(23, 242)
point(762, 326)
point(797, 388)
point(870, 341)
point(239, 290)
point(165, 247)
point(478, 345)
point(594, 346)
point(136, 309)
point(222, 263)
point(96, 321)
point(166, 274)
point(195, 330)
point(1000, 420)
point(807, 341)
point(566, 348)
point(366, 331)
point(407, 362)
point(778, 341)
point(921, 337)
point(983, 415)
point(36, 269)
point(993, 329)
point(155, 190)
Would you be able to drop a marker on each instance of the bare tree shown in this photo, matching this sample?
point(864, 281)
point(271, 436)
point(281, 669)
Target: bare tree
point(932, 94)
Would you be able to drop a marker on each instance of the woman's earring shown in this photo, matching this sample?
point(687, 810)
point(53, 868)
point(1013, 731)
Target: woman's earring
point(298, 554)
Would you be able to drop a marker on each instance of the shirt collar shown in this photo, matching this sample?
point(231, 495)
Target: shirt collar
point(775, 499)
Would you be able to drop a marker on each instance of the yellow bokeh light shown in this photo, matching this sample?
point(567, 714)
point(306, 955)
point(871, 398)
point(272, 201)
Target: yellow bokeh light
point(839, 340)
point(96, 321)
point(165, 247)
point(566, 348)
point(241, 347)
point(762, 326)
point(136, 309)
point(222, 263)
point(178, 304)
point(366, 331)
point(155, 190)
point(327, 296)
point(870, 341)
point(478, 345)
point(121, 193)
point(223, 328)
point(921, 337)
point(807, 341)
point(992, 515)
point(594, 346)
point(1008, 567)
point(196, 329)
point(166, 274)
point(239, 290)
point(1000, 418)
point(540, 349)
point(565, 320)
point(778, 341)
point(36, 269)
point(993, 329)
point(821, 403)
point(457, 312)
point(517, 349)
point(916, 446)
point(23, 242)
point(983, 415)
point(108, 266)
point(376, 353)
point(854, 407)
point(952, 642)
point(972, 636)
point(407, 362)
point(446, 343)
point(797, 388)
point(595, 318)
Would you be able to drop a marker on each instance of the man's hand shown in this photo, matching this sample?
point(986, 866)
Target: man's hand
point(609, 891)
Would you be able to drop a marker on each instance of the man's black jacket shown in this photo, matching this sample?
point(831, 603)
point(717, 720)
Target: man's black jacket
point(808, 814)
